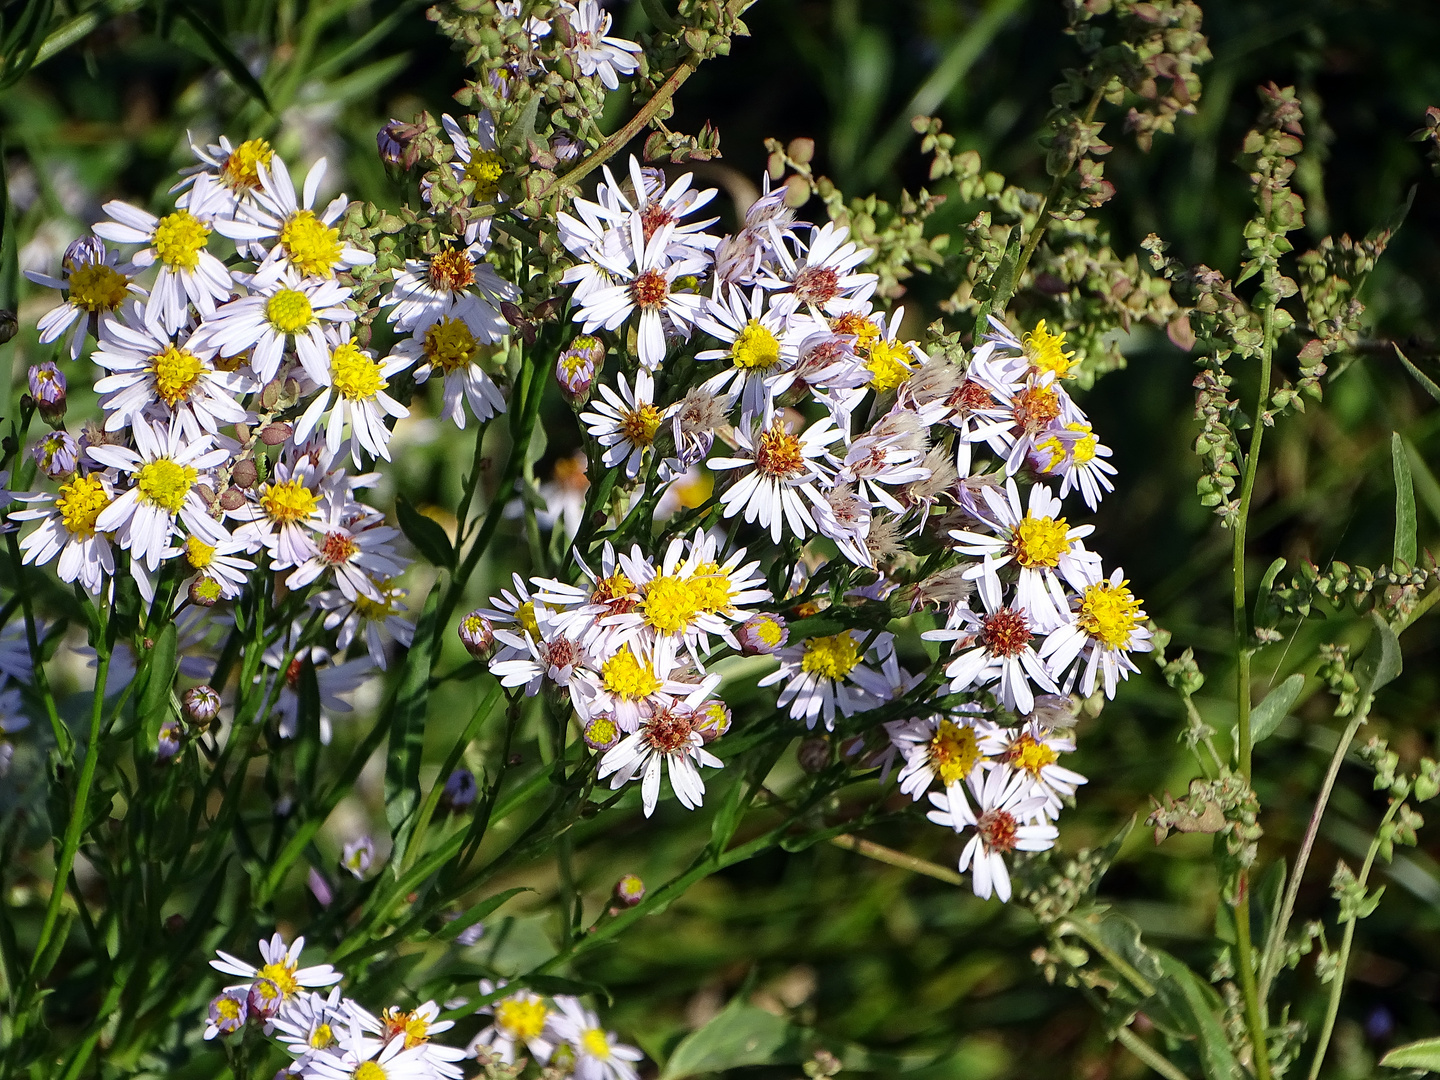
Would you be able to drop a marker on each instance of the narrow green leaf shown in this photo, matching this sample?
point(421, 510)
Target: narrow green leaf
point(741, 1035)
point(154, 703)
point(663, 20)
point(426, 534)
point(1424, 1054)
point(1268, 894)
point(1262, 597)
point(1419, 376)
point(1405, 542)
point(407, 731)
point(1426, 486)
point(1194, 1005)
point(222, 53)
point(307, 725)
point(1266, 716)
point(473, 914)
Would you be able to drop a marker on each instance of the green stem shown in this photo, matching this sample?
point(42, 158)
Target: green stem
point(615, 143)
point(891, 857)
point(1337, 984)
point(1149, 1055)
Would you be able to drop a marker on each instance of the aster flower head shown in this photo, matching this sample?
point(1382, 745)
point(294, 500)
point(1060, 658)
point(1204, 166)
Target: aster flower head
point(286, 310)
point(281, 967)
point(666, 739)
point(96, 284)
point(353, 390)
point(1106, 625)
point(452, 282)
point(373, 619)
point(822, 274)
point(947, 749)
point(67, 530)
point(625, 423)
point(585, 27)
point(1035, 753)
point(830, 673)
point(1004, 816)
point(449, 346)
point(755, 339)
point(777, 474)
point(521, 1019)
point(598, 1054)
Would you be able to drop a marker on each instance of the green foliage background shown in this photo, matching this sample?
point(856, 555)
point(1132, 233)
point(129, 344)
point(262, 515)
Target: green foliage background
point(928, 978)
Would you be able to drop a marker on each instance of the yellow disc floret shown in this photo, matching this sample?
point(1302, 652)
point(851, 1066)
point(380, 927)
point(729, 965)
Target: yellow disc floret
point(355, 376)
point(640, 424)
point(450, 345)
point(954, 750)
point(312, 246)
point(1046, 351)
point(627, 676)
point(595, 1043)
point(379, 610)
point(756, 349)
point(282, 975)
point(369, 1070)
point(323, 1037)
point(1040, 541)
point(241, 169)
point(198, 553)
point(712, 588)
point(165, 483)
point(289, 311)
point(485, 168)
point(831, 657)
point(176, 371)
point(288, 501)
point(179, 238)
point(525, 616)
point(669, 605)
point(1109, 614)
point(97, 287)
point(80, 502)
point(1028, 754)
point(889, 365)
point(522, 1018)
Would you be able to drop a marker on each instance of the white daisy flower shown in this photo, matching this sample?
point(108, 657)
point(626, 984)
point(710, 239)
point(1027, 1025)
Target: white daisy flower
point(449, 347)
point(549, 654)
point(667, 738)
point(480, 162)
point(96, 284)
point(453, 282)
point(625, 423)
point(311, 1024)
point(67, 529)
point(188, 273)
point(297, 237)
point(356, 549)
point(758, 345)
point(288, 308)
point(658, 206)
point(822, 674)
point(884, 458)
point(683, 600)
point(221, 573)
point(1049, 553)
point(584, 611)
point(521, 1019)
point(944, 748)
point(512, 616)
point(414, 1029)
point(153, 377)
point(996, 646)
point(281, 967)
point(592, 50)
point(644, 280)
point(281, 515)
point(822, 276)
point(631, 685)
point(1003, 818)
point(1034, 752)
point(232, 172)
point(778, 469)
point(376, 618)
point(1106, 626)
point(361, 1058)
point(354, 389)
point(166, 467)
point(1073, 453)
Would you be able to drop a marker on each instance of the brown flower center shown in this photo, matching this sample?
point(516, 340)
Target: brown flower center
point(653, 218)
point(451, 270)
point(997, 829)
point(649, 289)
point(1006, 633)
point(816, 285)
point(1036, 408)
point(669, 729)
point(778, 454)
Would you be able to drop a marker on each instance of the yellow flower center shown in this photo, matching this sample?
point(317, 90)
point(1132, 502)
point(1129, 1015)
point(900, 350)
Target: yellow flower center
point(288, 501)
point(322, 1038)
point(485, 168)
point(176, 371)
point(228, 1008)
point(179, 238)
point(712, 588)
point(283, 976)
point(369, 1070)
point(207, 589)
point(379, 610)
point(1040, 541)
point(1109, 614)
point(522, 1018)
point(165, 483)
point(312, 246)
point(450, 344)
point(1084, 447)
point(639, 425)
point(627, 676)
point(355, 376)
point(80, 503)
point(889, 365)
point(1046, 351)
point(412, 1025)
point(954, 751)
point(198, 553)
point(670, 604)
point(601, 731)
point(1030, 755)
point(852, 322)
point(289, 311)
point(595, 1043)
point(768, 630)
point(756, 349)
point(240, 172)
point(831, 657)
point(525, 616)
point(97, 287)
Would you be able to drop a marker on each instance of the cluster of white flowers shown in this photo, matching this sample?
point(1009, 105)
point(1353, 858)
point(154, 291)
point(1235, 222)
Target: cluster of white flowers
point(332, 1037)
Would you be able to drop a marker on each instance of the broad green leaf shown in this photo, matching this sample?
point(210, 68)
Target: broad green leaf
point(741, 1035)
point(1404, 503)
point(1424, 1054)
point(1381, 661)
point(1266, 716)
point(471, 915)
point(426, 534)
point(1194, 1006)
point(407, 732)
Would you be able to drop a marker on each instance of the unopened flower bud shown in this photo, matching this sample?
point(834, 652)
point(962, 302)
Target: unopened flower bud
point(171, 735)
point(245, 474)
point(202, 703)
point(228, 1011)
point(712, 720)
point(57, 454)
point(47, 387)
point(601, 733)
point(477, 634)
point(83, 251)
point(175, 924)
point(391, 141)
point(275, 434)
point(630, 890)
point(813, 755)
point(357, 855)
point(460, 791)
point(763, 634)
point(205, 591)
point(576, 366)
